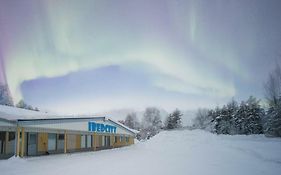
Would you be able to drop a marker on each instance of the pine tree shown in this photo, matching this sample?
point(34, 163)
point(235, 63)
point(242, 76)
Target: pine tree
point(174, 120)
point(252, 121)
point(273, 123)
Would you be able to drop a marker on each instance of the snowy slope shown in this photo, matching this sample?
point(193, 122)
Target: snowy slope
point(175, 152)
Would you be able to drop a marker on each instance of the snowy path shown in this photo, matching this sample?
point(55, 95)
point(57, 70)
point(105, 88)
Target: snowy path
point(174, 152)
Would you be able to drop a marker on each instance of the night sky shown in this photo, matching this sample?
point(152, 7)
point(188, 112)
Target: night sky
point(73, 56)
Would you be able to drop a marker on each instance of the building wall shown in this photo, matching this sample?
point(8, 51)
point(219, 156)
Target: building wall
point(71, 125)
point(78, 142)
point(7, 144)
point(74, 143)
point(71, 142)
point(18, 143)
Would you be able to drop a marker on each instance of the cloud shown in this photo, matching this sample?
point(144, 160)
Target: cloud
point(69, 38)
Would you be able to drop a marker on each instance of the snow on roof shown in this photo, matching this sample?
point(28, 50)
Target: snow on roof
point(13, 113)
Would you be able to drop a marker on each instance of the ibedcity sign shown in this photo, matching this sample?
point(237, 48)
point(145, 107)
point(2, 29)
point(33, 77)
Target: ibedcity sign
point(99, 127)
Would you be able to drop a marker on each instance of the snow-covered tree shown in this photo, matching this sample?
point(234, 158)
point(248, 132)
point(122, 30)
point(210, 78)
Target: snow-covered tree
point(23, 105)
point(253, 124)
point(273, 87)
point(5, 98)
point(151, 123)
point(232, 107)
point(132, 121)
point(273, 121)
point(272, 125)
point(233, 119)
point(202, 119)
point(173, 121)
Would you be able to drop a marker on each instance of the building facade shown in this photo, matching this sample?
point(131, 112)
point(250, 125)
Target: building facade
point(33, 137)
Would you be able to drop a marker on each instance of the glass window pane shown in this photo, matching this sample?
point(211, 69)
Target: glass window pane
point(32, 138)
point(32, 144)
point(11, 143)
point(60, 141)
point(103, 143)
point(2, 142)
point(89, 141)
point(52, 142)
point(83, 141)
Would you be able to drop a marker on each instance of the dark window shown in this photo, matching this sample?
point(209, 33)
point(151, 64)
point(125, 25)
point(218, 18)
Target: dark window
point(2, 142)
point(116, 139)
point(60, 142)
point(61, 137)
point(12, 136)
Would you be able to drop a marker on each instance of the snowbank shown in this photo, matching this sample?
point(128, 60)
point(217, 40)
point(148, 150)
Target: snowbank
point(171, 152)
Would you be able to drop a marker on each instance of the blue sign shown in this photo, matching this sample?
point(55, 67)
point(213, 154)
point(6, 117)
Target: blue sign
point(99, 127)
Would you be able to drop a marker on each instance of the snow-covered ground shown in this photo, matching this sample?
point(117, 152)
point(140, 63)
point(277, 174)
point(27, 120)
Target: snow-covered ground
point(174, 152)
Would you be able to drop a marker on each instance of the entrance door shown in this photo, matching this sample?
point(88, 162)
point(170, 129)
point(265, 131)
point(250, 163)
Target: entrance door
point(32, 144)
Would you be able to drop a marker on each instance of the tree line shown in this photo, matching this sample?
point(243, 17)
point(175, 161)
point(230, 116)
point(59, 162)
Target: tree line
point(247, 117)
point(151, 123)
point(6, 99)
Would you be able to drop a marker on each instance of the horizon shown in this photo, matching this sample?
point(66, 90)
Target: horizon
point(92, 57)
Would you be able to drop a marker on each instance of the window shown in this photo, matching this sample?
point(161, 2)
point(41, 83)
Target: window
point(127, 139)
point(31, 144)
point(2, 142)
point(115, 140)
point(61, 137)
point(60, 141)
point(83, 141)
point(11, 136)
point(103, 141)
point(89, 141)
point(107, 141)
point(11, 143)
point(52, 142)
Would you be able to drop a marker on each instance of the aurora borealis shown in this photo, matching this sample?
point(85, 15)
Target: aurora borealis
point(84, 56)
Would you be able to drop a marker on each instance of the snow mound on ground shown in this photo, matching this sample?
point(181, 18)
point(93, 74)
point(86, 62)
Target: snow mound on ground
point(168, 153)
